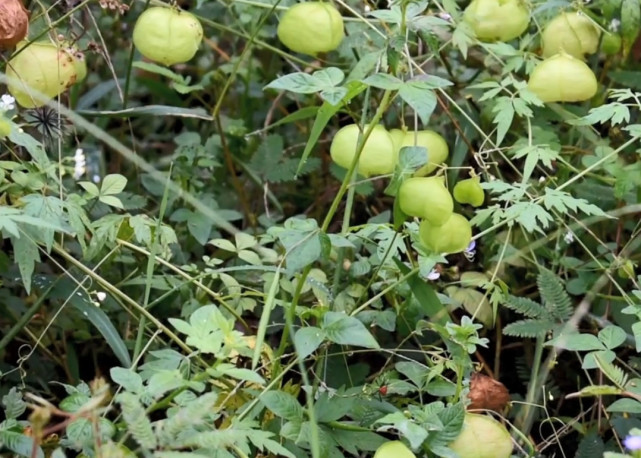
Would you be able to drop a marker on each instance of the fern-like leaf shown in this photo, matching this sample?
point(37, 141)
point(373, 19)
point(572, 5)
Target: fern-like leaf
point(526, 307)
point(138, 424)
point(186, 419)
point(553, 294)
point(528, 328)
point(614, 373)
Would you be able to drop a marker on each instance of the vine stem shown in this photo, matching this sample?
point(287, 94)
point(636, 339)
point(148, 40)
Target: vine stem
point(290, 314)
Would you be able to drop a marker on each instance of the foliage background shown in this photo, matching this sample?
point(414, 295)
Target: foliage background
point(198, 289)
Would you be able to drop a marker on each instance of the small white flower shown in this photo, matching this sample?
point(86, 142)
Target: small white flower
point(568, 237)
point(79, 164)
point(96, 178)
point(445, 16)
point(542, 179)
point(101, 295)
point(7, 102)
point(614, 25)
point(433, 275)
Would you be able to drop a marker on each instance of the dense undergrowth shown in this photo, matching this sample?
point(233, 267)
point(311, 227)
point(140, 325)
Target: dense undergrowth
point(194, 263)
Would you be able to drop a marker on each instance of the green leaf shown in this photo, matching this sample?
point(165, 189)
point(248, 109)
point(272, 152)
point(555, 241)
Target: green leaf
point(264, 319)
point(307, 340)
point(593, 360)
point(528, 328)
point(127, 378)
point(476, 304)
point(630, 24)
point(91, 188)
point(333, 95)
point(301, 239)
point(325, 113)
point(628, 406)
point(19, 443)
point(346, 330)
point(112, 201)
point(113, 184)
point(137, 421)
point(533, 155)
point(303, 83)
point(240, 373)
point(329, 77)
point(425, 295)
point(202, 330)
point(504, 114)
point(14, 405)
point(576, 342)
point(383, 81)
point(616, 113)
point(600, 390)
point(420, 97)
point(410, 159)
point(65, 289)
point(26, 255)
point(452, 419)
point(329, 407)
point(612, 336)
point(283, 405)
point(417, 373)
point(149, 110)
point(636, 331)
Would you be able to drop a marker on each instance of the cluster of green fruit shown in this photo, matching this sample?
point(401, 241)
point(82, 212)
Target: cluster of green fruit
point(481, 437)
point(563, 76)
point(163, 35)
point(421, 196)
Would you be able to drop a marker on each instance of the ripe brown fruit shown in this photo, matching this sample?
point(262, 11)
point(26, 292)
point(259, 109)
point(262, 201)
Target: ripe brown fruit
point(14, 23)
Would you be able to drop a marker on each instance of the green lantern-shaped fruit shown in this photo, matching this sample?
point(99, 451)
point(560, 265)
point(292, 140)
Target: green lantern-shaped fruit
point(453, 236)
point(627, 270)
point(497, 20)
point(394, 449)
point(437, 149)
point(167, 36)
point(563, 78)
point(573, 33)
point(427, 198)
point(5, 127)
point(311, 28)
point(378, 156)
point(398, 135)
point(482, 437)
point(469, 191)
point(611, 43)
point(42, 67)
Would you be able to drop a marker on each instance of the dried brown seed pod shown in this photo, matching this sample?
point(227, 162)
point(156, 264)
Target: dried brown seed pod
point(487, 393)
point(14, 23)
